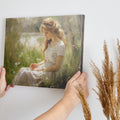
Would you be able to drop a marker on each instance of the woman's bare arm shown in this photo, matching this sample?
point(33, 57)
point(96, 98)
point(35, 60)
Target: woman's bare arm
point(64, 107)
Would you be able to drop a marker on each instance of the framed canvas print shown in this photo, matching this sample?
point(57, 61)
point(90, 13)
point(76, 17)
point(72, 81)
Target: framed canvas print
point(43, 51)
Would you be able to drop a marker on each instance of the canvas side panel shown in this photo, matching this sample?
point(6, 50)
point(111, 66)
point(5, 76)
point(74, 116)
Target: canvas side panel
point(82, 19)
point(2, 40)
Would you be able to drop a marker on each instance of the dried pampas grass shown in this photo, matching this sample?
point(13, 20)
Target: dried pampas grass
point(86, 110)
point(108, 84)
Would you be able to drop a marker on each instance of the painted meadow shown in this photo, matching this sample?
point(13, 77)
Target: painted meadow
point(24, 45)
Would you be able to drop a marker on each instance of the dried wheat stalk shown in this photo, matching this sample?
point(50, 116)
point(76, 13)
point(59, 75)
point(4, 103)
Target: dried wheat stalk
point(108, 88)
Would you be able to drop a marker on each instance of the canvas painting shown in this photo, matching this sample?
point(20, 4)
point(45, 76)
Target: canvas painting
point(43, 51)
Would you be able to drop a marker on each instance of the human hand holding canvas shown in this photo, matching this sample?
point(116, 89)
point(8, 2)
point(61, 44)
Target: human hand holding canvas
point(64, 107)
point(71, 92)
point(3, 85)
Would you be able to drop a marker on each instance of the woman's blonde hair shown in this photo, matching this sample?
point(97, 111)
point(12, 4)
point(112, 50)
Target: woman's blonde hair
point(54, 27)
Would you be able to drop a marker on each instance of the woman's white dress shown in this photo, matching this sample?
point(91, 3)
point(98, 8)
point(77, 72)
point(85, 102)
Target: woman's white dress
point(28, 77)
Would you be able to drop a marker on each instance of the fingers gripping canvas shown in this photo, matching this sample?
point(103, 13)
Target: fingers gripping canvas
point(43, 51)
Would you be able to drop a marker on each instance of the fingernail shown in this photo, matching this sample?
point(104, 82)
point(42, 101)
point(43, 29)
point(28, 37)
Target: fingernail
point(78, 72)
point(3, 69)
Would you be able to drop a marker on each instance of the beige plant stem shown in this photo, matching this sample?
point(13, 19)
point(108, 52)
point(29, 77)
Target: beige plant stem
point(108, 86)
point(86, 110)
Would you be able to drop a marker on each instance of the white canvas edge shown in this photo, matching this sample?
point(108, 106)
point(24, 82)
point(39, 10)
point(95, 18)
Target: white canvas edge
point(3, 41)
point(2, 38)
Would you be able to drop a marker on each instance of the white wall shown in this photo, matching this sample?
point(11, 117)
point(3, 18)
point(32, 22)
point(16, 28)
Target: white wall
point(102, 22)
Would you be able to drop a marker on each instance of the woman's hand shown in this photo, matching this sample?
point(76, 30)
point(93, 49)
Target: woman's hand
point(3, 84)
point(64, 107)
point(33, 66)
point(71, 93)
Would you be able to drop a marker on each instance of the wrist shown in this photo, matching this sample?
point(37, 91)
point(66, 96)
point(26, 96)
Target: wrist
point(73, 99)
point(66, 106)
point(70, 102)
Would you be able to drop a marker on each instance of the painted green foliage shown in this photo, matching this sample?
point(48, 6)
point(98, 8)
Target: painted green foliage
point(24, 45)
